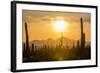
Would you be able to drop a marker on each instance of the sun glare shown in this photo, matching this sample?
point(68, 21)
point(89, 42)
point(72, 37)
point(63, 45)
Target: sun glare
point(60, 25)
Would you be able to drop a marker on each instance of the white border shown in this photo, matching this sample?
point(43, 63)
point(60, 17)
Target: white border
point(38, 65)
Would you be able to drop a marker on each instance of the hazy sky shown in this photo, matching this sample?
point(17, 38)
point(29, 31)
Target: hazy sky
point(41, 24)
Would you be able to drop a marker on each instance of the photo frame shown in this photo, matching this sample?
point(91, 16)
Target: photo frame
point(48, 36)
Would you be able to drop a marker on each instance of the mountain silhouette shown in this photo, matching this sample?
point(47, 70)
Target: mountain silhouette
point(51, 42)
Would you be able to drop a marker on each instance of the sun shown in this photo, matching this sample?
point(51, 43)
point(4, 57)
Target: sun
point(60, 25)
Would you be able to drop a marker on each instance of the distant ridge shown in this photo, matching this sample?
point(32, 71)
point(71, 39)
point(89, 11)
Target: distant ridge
point(51, 42)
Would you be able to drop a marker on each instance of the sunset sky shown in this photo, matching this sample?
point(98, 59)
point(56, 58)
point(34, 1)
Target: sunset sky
point(41, 24)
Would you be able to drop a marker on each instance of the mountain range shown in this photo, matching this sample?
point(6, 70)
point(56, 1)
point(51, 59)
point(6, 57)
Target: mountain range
point(54, 43)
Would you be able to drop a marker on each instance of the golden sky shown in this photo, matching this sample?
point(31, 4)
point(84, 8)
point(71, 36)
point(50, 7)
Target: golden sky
point(41, 24)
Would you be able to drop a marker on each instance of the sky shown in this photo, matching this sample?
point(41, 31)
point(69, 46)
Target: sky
point(41, 24)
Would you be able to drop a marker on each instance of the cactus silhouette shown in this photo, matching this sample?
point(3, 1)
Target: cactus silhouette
point(78, 44)
point(27, 40)
point(32, 48)
point(82, 35)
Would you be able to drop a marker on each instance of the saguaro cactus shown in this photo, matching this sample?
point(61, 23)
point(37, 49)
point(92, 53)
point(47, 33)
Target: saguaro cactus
point(32, 48)
point(82, 35)
point(61, 41)
point(27, 39)
point(78, 44)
